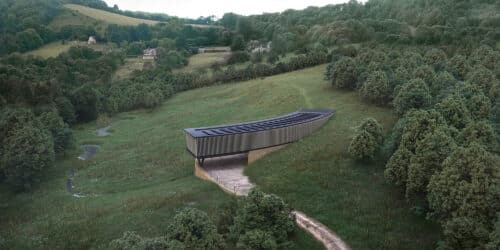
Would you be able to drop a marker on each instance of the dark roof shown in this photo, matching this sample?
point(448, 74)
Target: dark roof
point(291, 119)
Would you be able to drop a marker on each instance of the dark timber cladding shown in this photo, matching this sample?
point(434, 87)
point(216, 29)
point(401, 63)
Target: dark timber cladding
point(244, 137)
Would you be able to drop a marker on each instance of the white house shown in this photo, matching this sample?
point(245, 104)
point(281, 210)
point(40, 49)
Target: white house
point(92, 40)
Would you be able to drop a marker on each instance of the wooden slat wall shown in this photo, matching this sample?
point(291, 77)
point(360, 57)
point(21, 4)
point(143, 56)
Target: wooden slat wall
point(244, 142)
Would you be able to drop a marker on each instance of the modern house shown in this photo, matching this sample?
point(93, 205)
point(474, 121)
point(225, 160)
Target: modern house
point(207, 142)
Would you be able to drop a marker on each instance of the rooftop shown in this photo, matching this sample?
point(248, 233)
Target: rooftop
point(291, 119)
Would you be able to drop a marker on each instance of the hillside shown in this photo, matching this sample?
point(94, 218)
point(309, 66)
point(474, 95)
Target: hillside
point(108, 17)
point(137, 184)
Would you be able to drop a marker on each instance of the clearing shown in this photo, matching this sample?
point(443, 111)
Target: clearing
point(142, 173)
point(131, 64)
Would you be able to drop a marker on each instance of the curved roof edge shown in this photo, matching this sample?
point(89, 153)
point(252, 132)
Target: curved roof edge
point(297, 117)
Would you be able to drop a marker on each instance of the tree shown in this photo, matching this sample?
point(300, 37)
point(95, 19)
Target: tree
point(479, 132)
point(454, 111)
point(396, 169)
point(376, 88)
point(467, 185)
point(195, 230)
point(413, 94)
point(436, 58)
point(238, 43)
point(28, 40)
point(463, 233)
point(344, 74)
point(26, 152)
point(459, 66)
point(494, 241)
point(363, 146)
point(65, 109)
point(84, 100)
point(426, 73)
point(482, 77)
point(372, 126)
point(443, 85)
point(417, 125)
point(480, 107)
point(261, 219)
point(61, 133)
point(431, 151)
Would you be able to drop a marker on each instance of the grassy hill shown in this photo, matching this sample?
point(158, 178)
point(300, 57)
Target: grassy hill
point(143, 175)
point(108, 17)
point(55, 48)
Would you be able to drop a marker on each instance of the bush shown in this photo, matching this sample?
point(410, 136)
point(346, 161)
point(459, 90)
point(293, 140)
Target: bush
point(195, 230)
point(363, 146)
point(263, 220)
point(412, 95)
point(25, 153)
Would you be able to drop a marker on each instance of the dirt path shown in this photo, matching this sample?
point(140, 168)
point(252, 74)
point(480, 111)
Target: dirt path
point(227, 172)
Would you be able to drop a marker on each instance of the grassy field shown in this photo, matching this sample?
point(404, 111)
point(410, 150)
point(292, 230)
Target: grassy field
point(204, 60)
point(143, 175)
point(108, 17)
point(125, 70)
point(55, 48)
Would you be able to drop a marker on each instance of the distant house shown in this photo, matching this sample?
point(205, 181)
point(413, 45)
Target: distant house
point(91, 40)
point(150, 54)
point(213, 49)
point(260, 48)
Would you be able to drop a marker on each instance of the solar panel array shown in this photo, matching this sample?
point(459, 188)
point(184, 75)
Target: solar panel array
point(278, 122)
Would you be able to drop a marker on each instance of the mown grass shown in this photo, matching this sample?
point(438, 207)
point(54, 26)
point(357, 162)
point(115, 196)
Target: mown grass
point(108, 17)
point(204, 60)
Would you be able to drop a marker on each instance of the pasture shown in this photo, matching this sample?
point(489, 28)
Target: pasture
point(108, 17)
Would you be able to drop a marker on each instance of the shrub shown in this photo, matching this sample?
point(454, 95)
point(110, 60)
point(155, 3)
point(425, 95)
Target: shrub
point(25, 153)
point(372, 126)
point(195, 230)
point(363, 146)
point(263, 220)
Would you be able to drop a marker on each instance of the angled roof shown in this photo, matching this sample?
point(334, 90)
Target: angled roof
point(291, 119)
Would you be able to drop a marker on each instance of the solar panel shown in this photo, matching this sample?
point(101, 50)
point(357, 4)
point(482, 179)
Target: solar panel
point(294, 118)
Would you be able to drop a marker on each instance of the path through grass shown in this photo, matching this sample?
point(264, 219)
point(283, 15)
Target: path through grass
point(142, 174)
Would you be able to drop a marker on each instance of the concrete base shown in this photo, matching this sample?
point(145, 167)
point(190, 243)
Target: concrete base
point(257, 154)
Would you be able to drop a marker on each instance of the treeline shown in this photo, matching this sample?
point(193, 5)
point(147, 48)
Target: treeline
point(149, 88)
point(258, 221)
point(417, 22)
point(443, 151)
point(39, 100)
